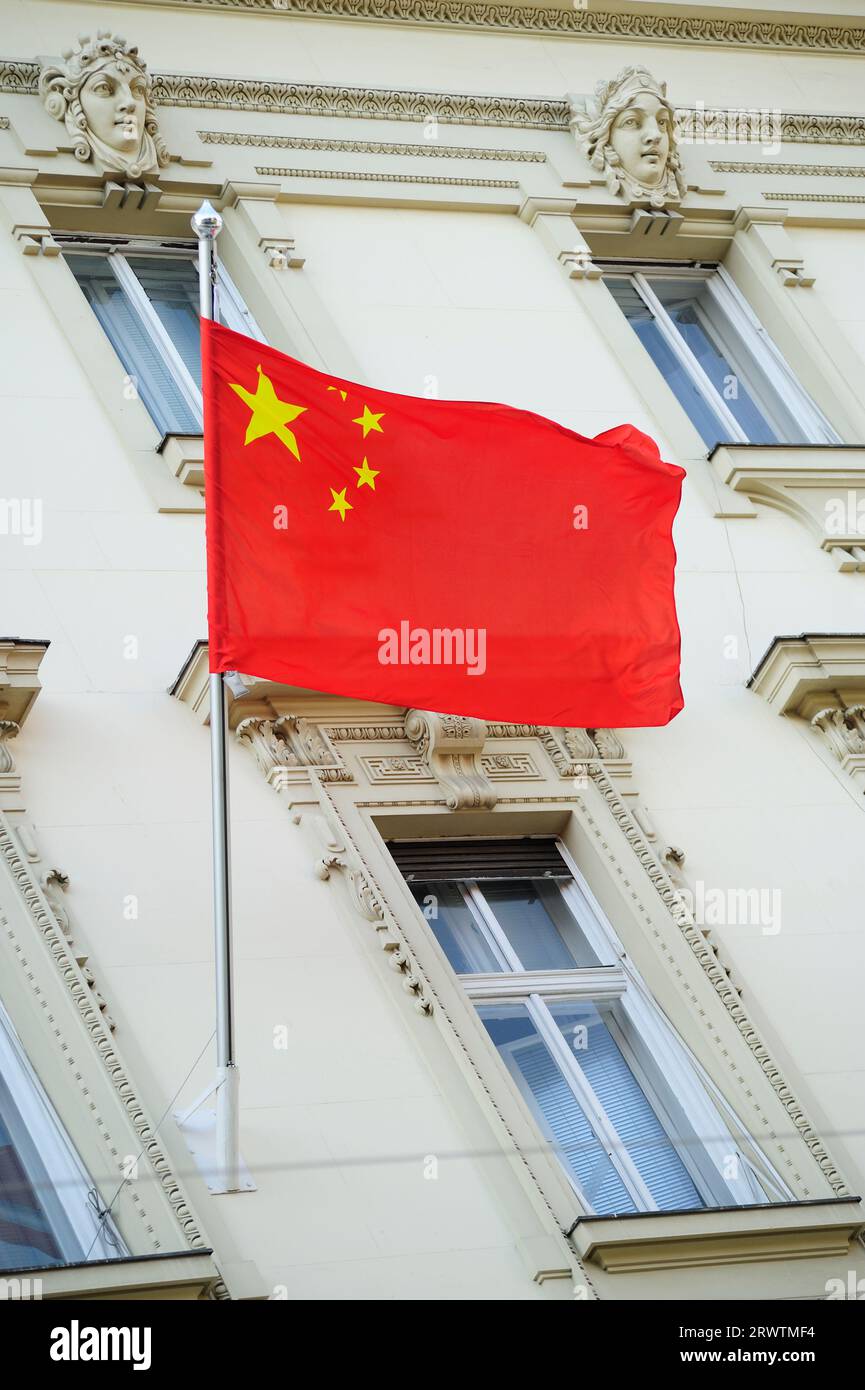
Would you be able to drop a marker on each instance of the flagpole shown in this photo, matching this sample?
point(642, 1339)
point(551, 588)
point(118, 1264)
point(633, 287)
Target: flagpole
point(207, 224)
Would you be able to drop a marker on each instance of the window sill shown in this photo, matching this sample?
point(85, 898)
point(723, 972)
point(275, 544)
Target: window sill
point(802, 480)
point(184, 454)
point(732, 1235)
point(185, 1275)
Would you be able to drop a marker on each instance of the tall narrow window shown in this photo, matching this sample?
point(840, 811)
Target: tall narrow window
point(49, 1210)
point(611, 1088)
point(146, 299)
point(717, 358)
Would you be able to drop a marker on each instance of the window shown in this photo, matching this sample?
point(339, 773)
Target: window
point(146, 298)
point(612, 1089)
point(49, 1211)
point(716, 357)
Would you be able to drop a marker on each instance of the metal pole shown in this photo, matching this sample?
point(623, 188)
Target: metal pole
point(207, 224)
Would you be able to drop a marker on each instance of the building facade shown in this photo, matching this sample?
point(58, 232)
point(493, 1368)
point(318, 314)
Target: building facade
point(522, 1012)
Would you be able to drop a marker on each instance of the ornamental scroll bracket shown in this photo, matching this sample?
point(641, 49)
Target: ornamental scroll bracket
point(451, 746)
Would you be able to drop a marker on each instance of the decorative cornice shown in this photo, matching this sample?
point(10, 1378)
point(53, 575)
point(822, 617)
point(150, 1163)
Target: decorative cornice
point(199, 91)
point(430, 149)
point(364, 176)
point(577, 23)
point(767, 166)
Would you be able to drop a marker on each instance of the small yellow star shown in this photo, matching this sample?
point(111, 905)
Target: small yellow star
point(343, 394)
point(339, 504)
point(368, 421)
point(270, 415)
point(367, 475)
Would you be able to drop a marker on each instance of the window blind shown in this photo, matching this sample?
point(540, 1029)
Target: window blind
point(483, 859)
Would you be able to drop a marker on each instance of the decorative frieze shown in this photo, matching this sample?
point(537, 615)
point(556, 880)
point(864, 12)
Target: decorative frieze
point(196, 90)
point(573, 19)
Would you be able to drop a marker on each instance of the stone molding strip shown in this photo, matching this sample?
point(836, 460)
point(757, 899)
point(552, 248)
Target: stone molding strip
point(766, 166)
point(362, 175)
point(430, 149)
point(814, 197)
point(449, 108)
point(584, 23)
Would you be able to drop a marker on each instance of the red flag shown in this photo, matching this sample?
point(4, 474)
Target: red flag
point(450, 555)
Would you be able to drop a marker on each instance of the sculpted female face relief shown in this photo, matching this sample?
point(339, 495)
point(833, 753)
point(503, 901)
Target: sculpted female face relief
point(113, 101)
point(640, 136)
point(627, 131)
point(102, 93)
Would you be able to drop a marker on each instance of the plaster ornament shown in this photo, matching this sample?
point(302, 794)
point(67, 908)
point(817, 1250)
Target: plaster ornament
point(627, 131)
point(104, 95)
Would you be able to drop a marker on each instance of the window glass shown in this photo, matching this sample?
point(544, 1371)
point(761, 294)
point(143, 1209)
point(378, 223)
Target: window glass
point(171, 285)
point(555, 1106)
point(651, 1150)
point(152, 377)
point(725, 372)
point(710, 426)
point(456, 929)
point(26, 1237)
point(732, 369)
point(538, 925)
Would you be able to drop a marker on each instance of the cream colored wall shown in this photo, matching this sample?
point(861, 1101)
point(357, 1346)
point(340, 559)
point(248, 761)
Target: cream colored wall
point(116, 773)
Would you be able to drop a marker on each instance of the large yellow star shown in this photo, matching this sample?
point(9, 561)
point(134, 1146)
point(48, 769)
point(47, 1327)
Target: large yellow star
point(368, 421)
point(339, 504)
point(270, 415)
point(367, 475)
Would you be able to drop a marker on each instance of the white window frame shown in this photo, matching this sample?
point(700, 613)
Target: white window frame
point(752, 1181)
point(812, 422)
point(228, 302)
point(95, 1237)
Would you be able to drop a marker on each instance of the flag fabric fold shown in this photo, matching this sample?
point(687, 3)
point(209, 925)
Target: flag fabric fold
point(459, 556)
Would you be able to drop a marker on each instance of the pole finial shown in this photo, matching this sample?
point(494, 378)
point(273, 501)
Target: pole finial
point(206, 222)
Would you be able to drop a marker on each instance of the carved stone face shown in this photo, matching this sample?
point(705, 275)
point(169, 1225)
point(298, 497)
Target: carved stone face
point(113, 101)
point(640, 136)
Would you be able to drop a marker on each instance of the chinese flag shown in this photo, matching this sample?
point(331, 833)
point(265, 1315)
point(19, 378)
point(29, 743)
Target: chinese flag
point(457, 556)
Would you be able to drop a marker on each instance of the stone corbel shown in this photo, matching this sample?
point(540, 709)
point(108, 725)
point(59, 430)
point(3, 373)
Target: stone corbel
point(131, 196)
point(653, 224)
point(551, 218)
point(843, 732)
point(451, 746)
point(764, 228)
point(819, 485)
point(281, 254)
point(36, 241)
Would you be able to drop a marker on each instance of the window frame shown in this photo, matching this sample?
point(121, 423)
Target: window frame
point(228, 301)
point(689, 1086)
point(87, 1235)
point(815, 426)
